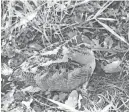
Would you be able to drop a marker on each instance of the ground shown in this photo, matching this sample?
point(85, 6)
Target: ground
point(28, 27)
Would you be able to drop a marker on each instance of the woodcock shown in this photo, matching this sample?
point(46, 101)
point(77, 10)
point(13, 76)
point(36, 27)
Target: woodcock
point(66, 72)
point(67, 81)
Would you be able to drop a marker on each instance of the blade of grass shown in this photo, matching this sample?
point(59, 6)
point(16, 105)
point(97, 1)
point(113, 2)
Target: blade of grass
point(103, 8)
point(107, 19)
point(113, 32)
point(45, 35)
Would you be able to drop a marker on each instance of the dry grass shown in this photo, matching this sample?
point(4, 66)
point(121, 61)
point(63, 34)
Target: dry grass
point(27, 26)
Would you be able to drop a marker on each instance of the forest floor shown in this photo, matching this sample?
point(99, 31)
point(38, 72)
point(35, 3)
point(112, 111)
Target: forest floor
point(30, 26)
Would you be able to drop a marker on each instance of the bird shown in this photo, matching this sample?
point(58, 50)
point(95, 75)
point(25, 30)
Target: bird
point(57, 77)
point(66, 81)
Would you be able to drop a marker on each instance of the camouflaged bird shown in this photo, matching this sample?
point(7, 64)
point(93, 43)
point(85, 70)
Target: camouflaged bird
point(65, 73)
point(67, 80)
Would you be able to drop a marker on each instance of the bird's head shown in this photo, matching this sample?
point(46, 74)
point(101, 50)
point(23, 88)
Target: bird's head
point(83, 56)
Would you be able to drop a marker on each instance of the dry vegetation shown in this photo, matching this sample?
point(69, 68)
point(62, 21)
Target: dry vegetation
point(29, 26)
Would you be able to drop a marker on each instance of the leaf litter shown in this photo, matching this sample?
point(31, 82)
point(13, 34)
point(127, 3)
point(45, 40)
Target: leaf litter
point(34, 28)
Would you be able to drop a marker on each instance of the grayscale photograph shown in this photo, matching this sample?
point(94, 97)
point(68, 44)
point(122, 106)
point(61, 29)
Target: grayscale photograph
point(64, 56)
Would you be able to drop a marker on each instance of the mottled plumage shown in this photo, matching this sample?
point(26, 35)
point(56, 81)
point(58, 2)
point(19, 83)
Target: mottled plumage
point(61, 77)
point(69, 80)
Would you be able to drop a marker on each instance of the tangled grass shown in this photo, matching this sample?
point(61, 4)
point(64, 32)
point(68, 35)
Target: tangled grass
point(31, 25)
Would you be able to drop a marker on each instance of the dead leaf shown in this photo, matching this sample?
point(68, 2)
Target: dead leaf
point(108, 42)
point(79, 101)
point(5, 70)
point(112, 67)
point(86, 40)
point(7, 100)
point(62, 96)
point(31, 89)
point(64, 106)
point(35, 46)
point(96, 43)
point(72, 99)
point(55, 97)
point(27, 104)
point(71, 34)
point(10, 51)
